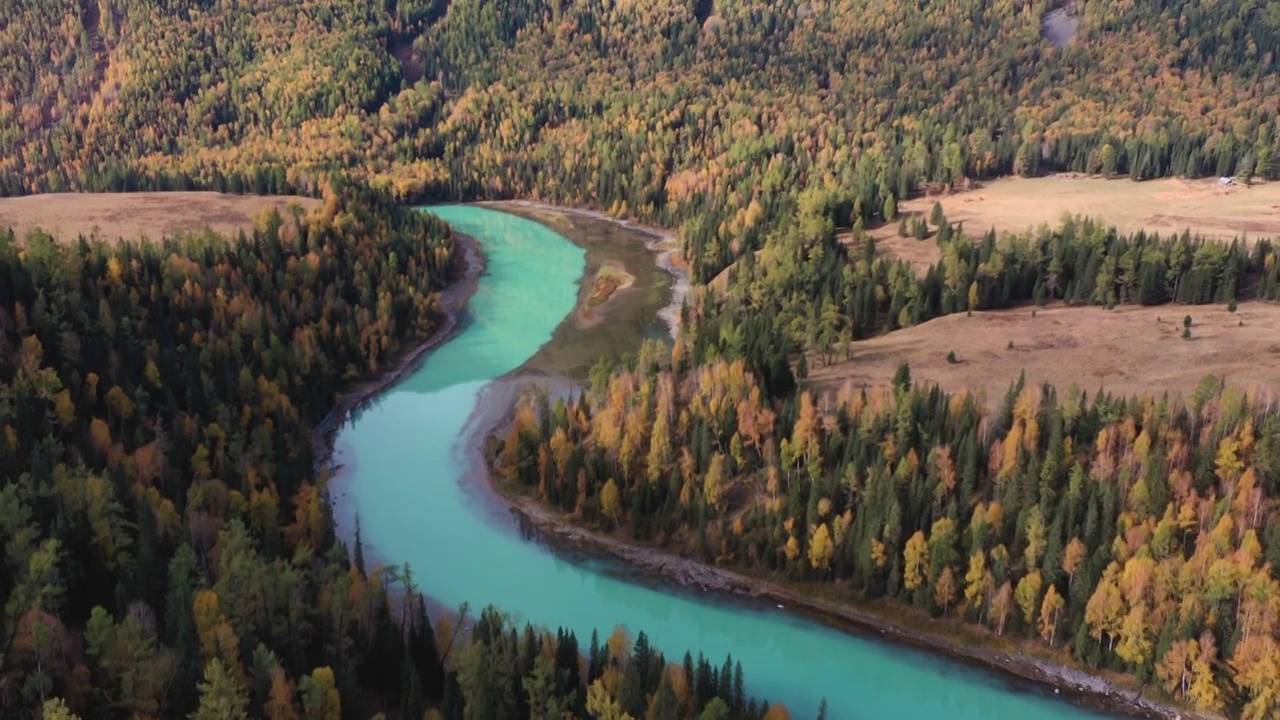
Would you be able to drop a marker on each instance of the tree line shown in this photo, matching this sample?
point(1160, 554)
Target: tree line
point(811, 294)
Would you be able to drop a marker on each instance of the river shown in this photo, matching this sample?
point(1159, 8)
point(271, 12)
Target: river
point(404, 460)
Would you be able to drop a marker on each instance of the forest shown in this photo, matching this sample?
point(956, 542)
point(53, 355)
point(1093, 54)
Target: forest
point(166, 540)
point(1132, 534)
point(166, 537)
point(1135, 533)
point(168, 548)
point(723, 120)
point(809, 295)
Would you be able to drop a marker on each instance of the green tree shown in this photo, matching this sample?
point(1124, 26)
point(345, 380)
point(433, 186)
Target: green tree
point(936, 217)
point(220, 697)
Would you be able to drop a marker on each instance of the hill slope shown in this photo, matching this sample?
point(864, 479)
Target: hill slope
point(724, 114)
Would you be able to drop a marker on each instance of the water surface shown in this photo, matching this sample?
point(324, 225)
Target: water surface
point(404, 465)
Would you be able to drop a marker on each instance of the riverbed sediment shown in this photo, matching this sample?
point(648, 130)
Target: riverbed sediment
point(660, 241)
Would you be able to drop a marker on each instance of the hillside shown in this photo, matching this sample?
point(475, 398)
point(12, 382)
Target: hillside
point(724, 116)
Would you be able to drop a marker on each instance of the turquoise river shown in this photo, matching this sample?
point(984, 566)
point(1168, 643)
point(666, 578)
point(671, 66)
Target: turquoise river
point(404, 470)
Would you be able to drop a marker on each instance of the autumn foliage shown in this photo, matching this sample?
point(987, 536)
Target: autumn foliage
point(166, 539)
point(1135, 534)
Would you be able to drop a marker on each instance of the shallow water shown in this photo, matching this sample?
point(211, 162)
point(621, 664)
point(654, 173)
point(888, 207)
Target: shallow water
point(404, 463)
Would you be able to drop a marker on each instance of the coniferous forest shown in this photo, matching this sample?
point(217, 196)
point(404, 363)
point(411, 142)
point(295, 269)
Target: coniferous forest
point(166, 537)
point(168, 548)
point(719, 119)
point(1138, 533)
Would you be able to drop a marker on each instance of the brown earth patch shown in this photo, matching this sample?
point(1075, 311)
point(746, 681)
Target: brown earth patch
point(1164, 206)
point(1126, 351)
point(611, 278)
point(920, 254)
point(1017, 204)
point(116, 216)
point(625, 294)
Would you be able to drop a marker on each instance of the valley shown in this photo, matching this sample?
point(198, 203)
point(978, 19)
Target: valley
point(666, 360)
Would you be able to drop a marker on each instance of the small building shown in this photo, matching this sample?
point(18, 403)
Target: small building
point(1225, 181)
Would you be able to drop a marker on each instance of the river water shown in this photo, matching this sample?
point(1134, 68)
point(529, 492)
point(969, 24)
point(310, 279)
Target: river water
point(404, 462)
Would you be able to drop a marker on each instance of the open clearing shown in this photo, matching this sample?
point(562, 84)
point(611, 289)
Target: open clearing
point(1125, 351)
point(1165, 206)
point(128, 216)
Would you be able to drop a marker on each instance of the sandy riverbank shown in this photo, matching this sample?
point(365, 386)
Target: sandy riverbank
point(659, 240)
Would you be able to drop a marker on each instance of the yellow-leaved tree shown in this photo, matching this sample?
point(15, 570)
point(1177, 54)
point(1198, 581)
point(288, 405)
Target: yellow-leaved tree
point(916, 557)
point(610, 501)
point(821, 549)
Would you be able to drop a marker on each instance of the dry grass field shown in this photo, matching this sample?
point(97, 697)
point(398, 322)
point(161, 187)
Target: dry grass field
point(1126, 351)
point(1166, 206)
point(116, 216)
